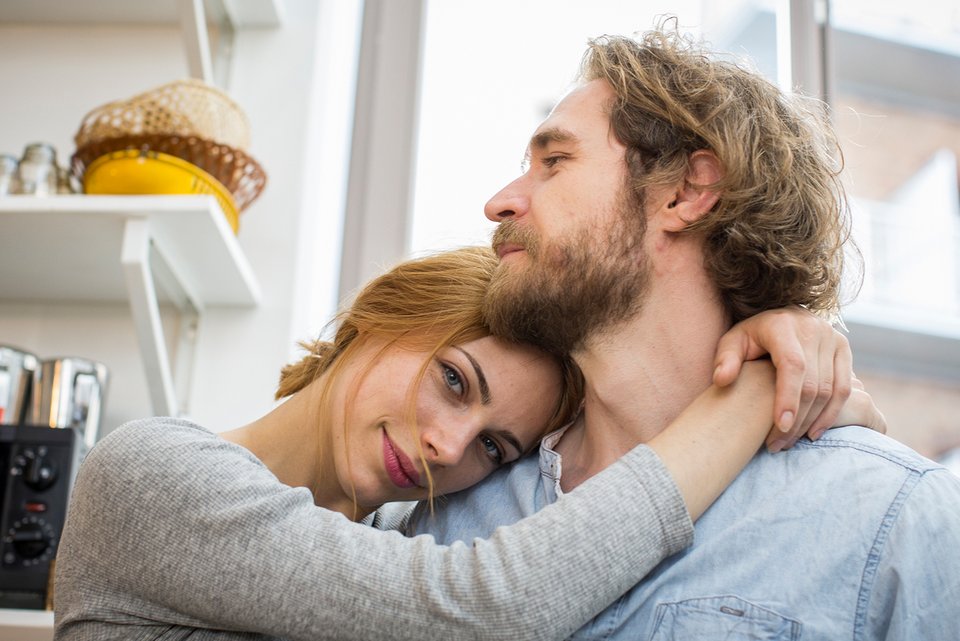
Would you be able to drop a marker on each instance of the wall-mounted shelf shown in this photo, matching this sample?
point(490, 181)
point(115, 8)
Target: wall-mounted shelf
point(142, 250)
point(195, 17)
point(241, 15)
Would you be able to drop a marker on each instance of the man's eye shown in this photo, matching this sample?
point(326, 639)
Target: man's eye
point(452, 379)
point(551, 161)
point(491, 449)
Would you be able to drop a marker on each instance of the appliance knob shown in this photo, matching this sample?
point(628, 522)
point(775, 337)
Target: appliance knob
point(39, 473)
point(30, 540)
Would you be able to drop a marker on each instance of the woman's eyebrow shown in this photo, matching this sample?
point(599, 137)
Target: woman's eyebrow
point(510, 438)
point(484, 388)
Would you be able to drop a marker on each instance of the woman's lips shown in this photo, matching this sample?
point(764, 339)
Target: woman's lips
point(401, 470)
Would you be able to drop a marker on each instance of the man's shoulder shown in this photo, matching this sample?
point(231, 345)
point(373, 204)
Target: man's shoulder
point(848, 468)
point(509, 494)
point(867, 444)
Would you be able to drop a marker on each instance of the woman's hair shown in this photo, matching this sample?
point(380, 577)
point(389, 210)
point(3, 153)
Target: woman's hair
point(775, 236)
point(424, 304)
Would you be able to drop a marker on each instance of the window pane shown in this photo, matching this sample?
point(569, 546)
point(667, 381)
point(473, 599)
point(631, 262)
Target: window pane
point(897, 111)
point(491, 72)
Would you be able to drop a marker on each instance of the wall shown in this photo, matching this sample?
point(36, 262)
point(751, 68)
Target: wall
point(299, 115)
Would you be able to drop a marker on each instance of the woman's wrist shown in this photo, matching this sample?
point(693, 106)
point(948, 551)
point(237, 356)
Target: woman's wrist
point(715, 436)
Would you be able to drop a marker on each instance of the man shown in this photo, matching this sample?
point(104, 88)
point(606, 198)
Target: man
point(668, 196)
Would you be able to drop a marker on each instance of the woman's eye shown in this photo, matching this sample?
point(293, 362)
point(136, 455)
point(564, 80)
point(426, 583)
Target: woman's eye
point(491, 449)
point(451, 378)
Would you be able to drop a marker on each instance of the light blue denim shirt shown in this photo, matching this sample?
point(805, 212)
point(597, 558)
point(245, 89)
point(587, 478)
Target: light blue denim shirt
point(852, 537)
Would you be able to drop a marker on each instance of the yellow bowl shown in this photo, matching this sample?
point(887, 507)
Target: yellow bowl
point(132, 171)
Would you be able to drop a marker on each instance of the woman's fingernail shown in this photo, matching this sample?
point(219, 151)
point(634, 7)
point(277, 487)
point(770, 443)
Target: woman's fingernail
point(777, 445)
point(786, 422)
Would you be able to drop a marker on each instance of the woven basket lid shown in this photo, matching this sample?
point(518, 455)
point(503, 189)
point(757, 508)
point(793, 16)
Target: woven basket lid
point(187, 107)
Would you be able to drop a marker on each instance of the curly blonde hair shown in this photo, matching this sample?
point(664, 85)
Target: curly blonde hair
point(776, 235)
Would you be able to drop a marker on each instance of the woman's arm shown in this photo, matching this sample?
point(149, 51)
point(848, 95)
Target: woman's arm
point(715, 436)
point(169, 525)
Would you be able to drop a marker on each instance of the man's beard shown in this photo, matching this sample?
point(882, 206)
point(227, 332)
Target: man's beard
point(571, 289)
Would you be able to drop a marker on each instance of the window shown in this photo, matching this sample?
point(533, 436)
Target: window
point(897, 106)
point(491, 72)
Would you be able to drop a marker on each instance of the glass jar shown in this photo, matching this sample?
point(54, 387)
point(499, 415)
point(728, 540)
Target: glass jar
point(67, 182)
point(8, 174)
point(37, 171)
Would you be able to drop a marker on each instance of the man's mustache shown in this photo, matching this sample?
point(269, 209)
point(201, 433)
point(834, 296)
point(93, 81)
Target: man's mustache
point(511, 233)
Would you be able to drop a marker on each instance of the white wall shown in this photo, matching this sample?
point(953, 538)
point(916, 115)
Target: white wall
point(299, 106)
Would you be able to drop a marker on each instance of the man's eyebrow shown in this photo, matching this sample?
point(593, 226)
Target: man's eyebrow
point(552, 134)
point(484, 388)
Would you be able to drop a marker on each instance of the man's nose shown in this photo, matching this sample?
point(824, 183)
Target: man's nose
point(445, 444)
point(510, 202)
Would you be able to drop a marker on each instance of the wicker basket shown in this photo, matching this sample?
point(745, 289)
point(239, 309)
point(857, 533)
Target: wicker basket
point(135, 172)
point(183, 108)
point(239, 173)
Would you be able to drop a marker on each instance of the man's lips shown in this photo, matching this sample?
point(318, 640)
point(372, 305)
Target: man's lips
point(508, 248)
point(401, 470)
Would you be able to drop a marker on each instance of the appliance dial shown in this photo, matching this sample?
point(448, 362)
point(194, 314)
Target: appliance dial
point(39, 471)
point(32, 540)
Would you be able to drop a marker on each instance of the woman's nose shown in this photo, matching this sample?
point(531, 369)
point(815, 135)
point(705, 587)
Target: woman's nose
point(445, 445)
point(510, 202)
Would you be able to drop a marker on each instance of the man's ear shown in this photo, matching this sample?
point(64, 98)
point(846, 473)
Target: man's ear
point(694, 198)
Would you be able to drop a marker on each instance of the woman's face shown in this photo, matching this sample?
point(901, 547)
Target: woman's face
point(478, 406)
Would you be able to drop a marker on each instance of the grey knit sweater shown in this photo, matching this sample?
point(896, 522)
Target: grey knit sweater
point(174, 533)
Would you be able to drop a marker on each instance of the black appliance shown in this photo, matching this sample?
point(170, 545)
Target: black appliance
point(39, 464)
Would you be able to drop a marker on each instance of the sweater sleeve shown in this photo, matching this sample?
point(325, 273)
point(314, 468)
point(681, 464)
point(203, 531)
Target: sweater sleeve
point(194, 531)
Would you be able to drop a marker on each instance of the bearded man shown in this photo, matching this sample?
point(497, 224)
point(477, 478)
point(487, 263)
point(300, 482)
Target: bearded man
point(668, 196)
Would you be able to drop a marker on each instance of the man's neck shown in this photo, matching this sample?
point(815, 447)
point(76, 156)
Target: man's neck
point(639, 376)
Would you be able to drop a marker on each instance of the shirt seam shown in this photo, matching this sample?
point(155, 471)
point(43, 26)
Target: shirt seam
point(911, 463)
point(876, 552)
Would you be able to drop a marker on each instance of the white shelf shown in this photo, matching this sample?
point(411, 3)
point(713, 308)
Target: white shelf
point(244, 14)
point(68, 248)
point(139, 249)
point(195, 17)
point(26, 625)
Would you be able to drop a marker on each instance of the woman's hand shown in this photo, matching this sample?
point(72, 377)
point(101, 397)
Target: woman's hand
point(715, 436)
point(814, 371)
point(858, 410)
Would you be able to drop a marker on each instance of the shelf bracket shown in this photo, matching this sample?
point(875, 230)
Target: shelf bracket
point(193, 23)
point(138, 274)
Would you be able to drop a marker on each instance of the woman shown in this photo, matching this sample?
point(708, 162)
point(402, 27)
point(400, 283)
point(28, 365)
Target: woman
point(178, 533)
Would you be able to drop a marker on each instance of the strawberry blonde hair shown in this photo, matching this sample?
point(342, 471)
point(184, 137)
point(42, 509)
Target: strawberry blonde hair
point(424, 304)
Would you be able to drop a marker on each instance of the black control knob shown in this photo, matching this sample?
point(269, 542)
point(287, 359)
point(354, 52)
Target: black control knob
point(39, 472)
point(30, 540)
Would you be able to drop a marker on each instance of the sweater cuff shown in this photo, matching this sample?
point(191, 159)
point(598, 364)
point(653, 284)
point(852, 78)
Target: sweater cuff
point(664, 496)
